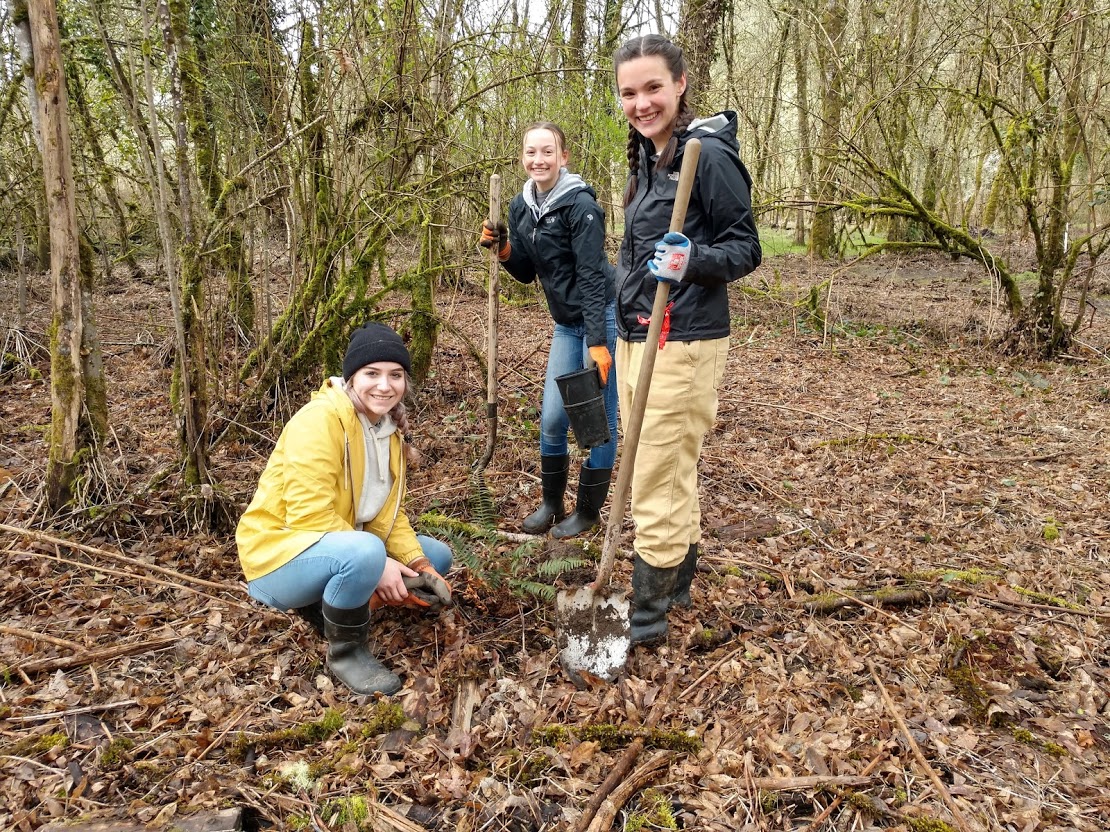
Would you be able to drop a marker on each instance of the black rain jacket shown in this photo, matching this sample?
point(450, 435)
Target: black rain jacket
point(719, 222)
point(563, 243)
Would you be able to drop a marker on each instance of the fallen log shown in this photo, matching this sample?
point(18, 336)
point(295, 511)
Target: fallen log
point(833, 602)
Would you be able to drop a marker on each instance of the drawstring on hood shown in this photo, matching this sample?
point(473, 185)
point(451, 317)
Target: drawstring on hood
point(568, 183)
point(376, 479)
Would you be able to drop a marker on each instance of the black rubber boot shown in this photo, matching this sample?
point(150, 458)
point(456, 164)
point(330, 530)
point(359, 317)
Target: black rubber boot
point(652, 588)
point(593, 489)
point(314, 615)
point(553, 478)
point(686, 570)
point(349, 658)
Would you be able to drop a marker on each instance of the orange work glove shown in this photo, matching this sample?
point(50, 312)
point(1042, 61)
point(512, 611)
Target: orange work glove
point(603, 360)
point(498, 235)
point(427, 591)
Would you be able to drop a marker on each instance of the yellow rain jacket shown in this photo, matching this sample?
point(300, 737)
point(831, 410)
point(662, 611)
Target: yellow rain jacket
point(311, 486)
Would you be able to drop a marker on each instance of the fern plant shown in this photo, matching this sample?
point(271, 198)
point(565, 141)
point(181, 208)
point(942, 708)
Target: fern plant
point(522, 570)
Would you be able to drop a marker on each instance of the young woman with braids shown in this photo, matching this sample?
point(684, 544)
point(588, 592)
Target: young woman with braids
point(556, 232)
point(720, 245)
point(325, 535)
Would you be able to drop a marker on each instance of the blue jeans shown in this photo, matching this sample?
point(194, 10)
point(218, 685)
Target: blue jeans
point(569, 353)
point(342, 568)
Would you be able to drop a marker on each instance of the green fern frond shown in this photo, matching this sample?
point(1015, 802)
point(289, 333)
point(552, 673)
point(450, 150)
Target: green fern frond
point(545, 592)
point(557, 566)
point(482, 506)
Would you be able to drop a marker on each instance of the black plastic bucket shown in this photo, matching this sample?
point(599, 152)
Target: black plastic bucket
point(581, 392)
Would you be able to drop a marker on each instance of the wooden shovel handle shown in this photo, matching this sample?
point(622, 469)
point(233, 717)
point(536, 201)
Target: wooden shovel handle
point(690, 155)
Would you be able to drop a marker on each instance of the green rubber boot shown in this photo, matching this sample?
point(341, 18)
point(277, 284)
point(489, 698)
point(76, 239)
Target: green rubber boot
point(652, 588)
point(593, 489)
point(686, 571)
point(553, 480)
point(349, 657)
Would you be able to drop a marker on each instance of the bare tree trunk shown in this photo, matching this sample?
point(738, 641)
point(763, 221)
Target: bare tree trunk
point(104, 177)
point(762, 151)
point(805, 146)
point(425, 322)
point(834, 20)
point(697, 34)
point(194, 381)
point(22, 23)
point(78, 398)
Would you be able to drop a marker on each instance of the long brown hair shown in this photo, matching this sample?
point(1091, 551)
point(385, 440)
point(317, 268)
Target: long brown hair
point(652, 46)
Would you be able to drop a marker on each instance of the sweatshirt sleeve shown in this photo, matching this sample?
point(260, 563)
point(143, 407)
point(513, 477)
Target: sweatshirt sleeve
point(519, 264)
point(592, 270)
point(723, 188)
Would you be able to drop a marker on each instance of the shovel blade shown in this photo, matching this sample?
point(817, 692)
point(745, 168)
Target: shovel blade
point(594, 632)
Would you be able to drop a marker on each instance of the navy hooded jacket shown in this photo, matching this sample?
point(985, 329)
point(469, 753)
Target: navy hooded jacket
point(563, 243)
point(719, 222)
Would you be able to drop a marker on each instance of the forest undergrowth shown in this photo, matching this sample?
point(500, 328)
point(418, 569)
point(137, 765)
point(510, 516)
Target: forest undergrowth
point(900, 620)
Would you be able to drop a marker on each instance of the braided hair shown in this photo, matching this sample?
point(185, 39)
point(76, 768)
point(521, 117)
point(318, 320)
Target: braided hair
point(650, 46)
point(400, 416)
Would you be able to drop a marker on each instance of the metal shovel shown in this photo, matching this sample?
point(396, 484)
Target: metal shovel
point(592, 623)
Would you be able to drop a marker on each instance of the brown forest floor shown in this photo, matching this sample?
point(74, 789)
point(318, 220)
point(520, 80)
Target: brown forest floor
point(965, 492)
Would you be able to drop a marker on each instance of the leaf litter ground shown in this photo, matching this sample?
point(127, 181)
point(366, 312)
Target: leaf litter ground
point(904, 553)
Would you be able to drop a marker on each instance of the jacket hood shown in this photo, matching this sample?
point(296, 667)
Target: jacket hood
point(721, 126)
point(568, 183)
point(334, 391)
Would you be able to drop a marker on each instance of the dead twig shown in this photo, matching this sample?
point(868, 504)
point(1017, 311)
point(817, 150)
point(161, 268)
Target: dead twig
point(821, 818)
point(31, 635)
point(51, 664)
point(130, 575)
point(811, 781)
point(711, 671)
point(642, 777)
point(605, 792)
point(104, 553)
point(1029, 605)
point(1008, 460)
point(107, 706)
point(938, 784)
point(823, 605)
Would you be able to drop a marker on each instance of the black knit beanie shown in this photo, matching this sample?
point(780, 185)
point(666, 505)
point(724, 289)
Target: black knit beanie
point(371, 343)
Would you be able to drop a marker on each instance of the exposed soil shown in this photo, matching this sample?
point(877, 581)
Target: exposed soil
point(905, 553)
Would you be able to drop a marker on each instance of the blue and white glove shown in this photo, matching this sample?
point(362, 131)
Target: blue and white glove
point(672, 257)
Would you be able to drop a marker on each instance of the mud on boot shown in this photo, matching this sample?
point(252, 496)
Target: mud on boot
point(686, 571)
point(652, 587)
point(349, 657)
point(553, 480)
point(593, 489)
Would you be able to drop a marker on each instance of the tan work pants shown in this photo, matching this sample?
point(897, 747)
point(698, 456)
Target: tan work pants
point(681, 407)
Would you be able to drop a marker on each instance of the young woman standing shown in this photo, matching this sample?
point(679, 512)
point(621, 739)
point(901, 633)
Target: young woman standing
point(720, 245)
point(556, 232)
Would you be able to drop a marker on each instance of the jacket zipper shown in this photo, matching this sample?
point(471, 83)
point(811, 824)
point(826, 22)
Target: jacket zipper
point(629, 216)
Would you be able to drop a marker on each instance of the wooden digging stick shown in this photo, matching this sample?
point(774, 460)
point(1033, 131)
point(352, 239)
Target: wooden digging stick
point(491, 351)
